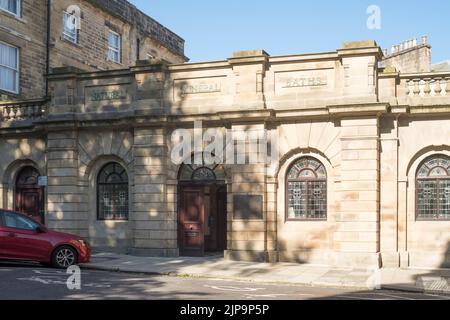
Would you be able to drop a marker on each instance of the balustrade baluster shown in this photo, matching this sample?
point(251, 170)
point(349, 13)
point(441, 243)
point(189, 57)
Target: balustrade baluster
point(437, 87)
point(427, 87)
point(442, 84)
point(410, 88)
point(416, 87)
point(447, 86)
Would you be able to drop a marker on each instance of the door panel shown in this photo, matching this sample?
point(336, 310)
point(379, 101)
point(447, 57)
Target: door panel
point(24, 244)
point(21, 241)
point(191, 222)
point(29, 196)
point(28, 201)
point(222, 219)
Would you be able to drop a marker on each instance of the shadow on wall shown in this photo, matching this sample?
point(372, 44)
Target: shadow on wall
point(16, 154)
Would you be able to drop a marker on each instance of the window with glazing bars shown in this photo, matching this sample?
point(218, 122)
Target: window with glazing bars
point(114, 47)
point(112, 193)
point(306, 186)
point(70, 27)
point(9, 68)
point(12, 6)
point(433, 189)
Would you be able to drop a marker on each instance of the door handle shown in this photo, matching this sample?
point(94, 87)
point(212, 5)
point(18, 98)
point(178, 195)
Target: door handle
point(11, 235)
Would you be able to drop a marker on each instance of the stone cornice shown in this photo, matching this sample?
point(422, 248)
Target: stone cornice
point(359, 109)
point(135, 118)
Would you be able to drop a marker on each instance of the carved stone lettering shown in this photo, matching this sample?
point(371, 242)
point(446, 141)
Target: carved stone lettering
point(108, 95)
point(200, 88)
point(305, 82)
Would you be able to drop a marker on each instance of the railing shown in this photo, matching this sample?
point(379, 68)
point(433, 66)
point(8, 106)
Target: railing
point(23, 110)
point(427, 84)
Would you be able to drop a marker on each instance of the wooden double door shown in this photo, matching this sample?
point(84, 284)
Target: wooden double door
point(202, 220)
point(29, 197)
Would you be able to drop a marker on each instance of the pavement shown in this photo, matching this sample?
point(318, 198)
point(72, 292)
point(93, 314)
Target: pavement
point(216, 267)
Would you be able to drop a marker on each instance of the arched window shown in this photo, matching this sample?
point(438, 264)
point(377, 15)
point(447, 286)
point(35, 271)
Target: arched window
point(433, 189)
point(306, 186)
point(112, 193)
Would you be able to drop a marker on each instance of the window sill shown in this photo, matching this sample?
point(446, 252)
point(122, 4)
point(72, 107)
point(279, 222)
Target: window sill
point(13, 16)
point(433, 220)
point(307, 220)
point(115, 62)
point(15, 94)
point(77, 45)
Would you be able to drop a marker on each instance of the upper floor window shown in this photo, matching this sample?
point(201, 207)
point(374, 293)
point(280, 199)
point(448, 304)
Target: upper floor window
point(433, 189)
point(9, 68)
point(112, 193)
point(114, 43)
point(12, 6)
point(306, 186)
point(70, 27)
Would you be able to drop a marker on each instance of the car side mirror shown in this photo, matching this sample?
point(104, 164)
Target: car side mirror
point(41, 229)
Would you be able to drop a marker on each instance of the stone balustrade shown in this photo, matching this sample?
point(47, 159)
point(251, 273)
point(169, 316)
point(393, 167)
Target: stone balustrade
point(427, 84)
point(26, 110)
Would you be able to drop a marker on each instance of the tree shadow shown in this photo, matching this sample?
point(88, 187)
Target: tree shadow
point(429, 284)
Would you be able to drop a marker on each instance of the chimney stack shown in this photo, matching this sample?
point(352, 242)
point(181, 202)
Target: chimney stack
point(424, 39)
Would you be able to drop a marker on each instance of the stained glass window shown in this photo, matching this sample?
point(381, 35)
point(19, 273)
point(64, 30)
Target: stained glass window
point(433, 189)
point(201, 172)
point(112, 193)
point(307, 190)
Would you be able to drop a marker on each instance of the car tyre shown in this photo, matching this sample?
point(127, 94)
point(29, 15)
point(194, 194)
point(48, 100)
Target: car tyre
point(64, 257)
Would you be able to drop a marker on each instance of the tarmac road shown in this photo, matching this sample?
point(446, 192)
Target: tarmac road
point(33, 282)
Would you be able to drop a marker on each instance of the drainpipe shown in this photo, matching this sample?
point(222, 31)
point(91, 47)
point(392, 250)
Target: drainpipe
point(47, 70)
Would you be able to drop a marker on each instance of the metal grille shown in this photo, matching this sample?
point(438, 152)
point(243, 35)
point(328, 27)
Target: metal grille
point(444, 199)
point(433, 189)
point(112, 194)
point(307, 191)
point(427, 199)
point(201, 172)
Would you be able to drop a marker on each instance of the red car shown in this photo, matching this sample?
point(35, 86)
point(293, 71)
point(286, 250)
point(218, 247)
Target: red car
point(24, 239)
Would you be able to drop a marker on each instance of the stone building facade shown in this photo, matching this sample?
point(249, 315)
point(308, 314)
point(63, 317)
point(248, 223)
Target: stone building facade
point(361, 177)
point(37, 30)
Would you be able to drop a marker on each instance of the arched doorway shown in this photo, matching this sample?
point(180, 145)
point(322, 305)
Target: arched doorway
point(202, 210)
point(29, 196)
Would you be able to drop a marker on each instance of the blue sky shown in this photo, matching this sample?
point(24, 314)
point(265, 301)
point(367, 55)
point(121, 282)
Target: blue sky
point(214, 29)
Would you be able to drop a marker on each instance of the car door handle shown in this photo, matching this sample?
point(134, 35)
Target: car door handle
point(11, 235)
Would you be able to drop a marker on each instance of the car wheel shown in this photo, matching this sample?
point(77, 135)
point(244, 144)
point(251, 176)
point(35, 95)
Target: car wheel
point(64, 257)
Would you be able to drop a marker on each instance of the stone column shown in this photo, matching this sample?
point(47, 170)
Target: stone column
point(271, 219)
point(357, 224)
point(403, 222)
point(248, 238)
point(155, 219)
point(249, 69)
point(65, 210)
point(389, 196)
